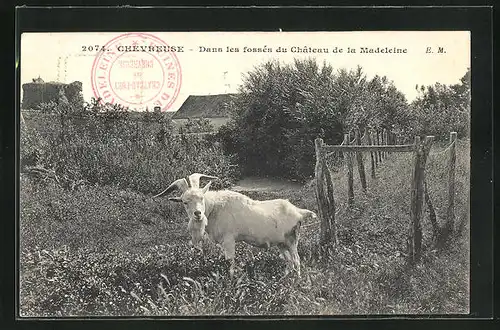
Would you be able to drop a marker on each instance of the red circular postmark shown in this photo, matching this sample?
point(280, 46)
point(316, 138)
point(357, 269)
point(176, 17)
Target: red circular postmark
point(137, 70)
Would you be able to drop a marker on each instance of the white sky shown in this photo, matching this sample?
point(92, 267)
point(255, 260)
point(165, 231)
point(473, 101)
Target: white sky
point(203, 72)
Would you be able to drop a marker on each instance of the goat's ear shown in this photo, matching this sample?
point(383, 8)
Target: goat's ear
point(175, 199)
point(205, 189)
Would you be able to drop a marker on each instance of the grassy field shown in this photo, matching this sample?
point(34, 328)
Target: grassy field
point(103, 250)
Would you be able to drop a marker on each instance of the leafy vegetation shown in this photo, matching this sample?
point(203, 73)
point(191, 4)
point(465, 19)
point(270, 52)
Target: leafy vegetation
point(109, 251)
point(440, 109)
point(281, 108)
point(198, 125)
point(104, 146)
point(93, 242)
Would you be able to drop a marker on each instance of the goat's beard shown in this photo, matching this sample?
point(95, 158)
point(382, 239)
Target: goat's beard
point(197, 228)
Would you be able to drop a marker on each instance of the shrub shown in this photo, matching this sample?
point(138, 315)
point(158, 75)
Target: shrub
point(31, 150)
point(282, 109)
point(197, 125)
point(104, 145)
point(47, 107)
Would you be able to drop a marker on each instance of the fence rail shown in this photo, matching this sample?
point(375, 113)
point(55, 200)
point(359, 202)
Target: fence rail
point(372, 148)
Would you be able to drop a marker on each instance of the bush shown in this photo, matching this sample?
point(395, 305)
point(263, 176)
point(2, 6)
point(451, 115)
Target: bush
point(282, 109)
point(31, 147)
point(47, 107)
point(198, 125)
point(104, 145)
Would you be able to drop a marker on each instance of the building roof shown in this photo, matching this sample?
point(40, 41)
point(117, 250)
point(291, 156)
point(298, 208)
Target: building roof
point(204, 106)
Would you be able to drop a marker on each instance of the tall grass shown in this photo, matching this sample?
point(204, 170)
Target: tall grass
point(105, 250)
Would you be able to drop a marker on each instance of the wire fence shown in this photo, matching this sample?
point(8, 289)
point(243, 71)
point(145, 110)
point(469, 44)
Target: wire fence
point(379, 145)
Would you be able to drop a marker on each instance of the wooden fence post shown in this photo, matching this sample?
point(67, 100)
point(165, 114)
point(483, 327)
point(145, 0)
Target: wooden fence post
point(325, 200)
point(382, 135)
point(384, 138)
point(450, 214)
point(415, 230)
point(369, 142)
point(359, 159)
point(350, 179)
point(317, 172)
point(330, 235)
point(378, 143)
point(374, 142)
point(417, 192)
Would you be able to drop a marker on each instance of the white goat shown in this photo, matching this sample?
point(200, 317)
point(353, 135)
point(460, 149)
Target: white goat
point(229, 217)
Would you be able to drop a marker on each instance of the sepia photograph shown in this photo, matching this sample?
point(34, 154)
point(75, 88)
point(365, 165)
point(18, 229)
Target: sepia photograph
point(179, 174)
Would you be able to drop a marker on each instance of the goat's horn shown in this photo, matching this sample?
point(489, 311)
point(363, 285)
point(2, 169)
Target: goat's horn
point(195, 179)
point(180, 184)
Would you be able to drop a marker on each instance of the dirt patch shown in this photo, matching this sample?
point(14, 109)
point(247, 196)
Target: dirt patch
point(265, 184)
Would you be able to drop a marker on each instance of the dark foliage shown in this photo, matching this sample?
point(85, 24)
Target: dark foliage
point(281, 109)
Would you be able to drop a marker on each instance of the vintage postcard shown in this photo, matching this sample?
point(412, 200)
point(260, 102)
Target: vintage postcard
point(244, 173)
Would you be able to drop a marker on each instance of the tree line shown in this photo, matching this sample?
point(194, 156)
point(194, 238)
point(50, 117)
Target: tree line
point(281, 108)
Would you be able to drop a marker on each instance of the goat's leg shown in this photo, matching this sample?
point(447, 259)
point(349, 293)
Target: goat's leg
point(294, 253)
point(292, 240)
point(285, 254)
point(229, 246)
point(295, 258)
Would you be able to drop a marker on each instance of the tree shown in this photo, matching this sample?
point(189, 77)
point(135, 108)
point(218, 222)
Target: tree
point(279, 111)
point(440, 109)
point(282, 108)
point(375, 103)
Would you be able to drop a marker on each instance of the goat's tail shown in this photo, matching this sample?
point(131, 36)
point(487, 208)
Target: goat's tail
point(309, 214)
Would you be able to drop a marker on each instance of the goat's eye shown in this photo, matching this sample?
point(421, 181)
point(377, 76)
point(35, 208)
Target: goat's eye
point(185, 203)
